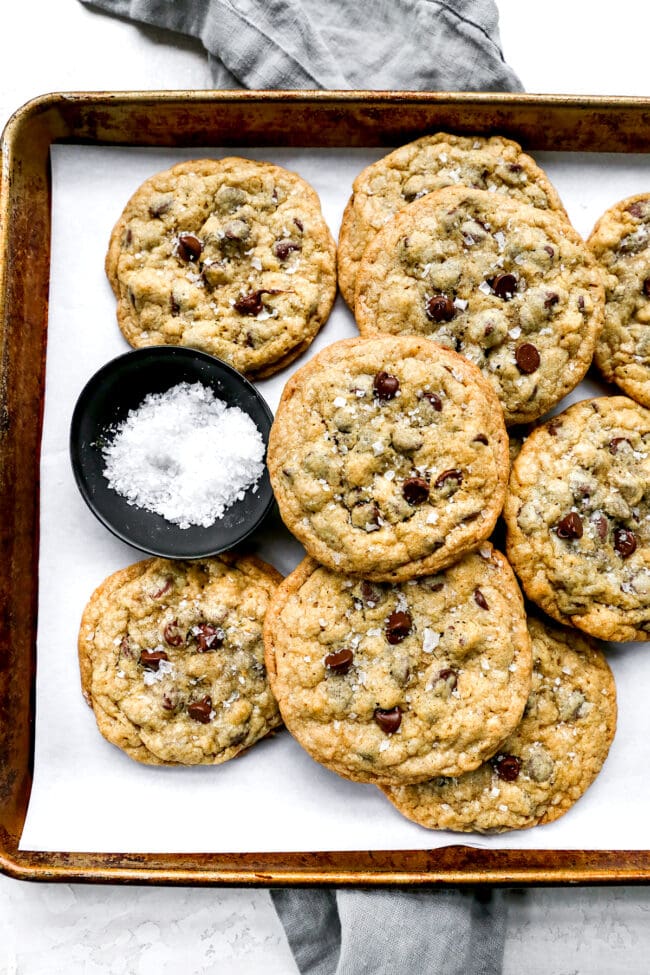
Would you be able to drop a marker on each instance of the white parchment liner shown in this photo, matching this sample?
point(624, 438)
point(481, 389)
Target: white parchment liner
point(87, 795)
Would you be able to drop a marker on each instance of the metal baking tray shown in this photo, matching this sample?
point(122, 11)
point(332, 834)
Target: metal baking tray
point(184, 118)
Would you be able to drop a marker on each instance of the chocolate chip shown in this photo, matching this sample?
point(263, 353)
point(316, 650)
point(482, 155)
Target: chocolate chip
point(453, 474)
point(450, 676)
point(581, 302)
point(646, 287)
point(624, 542)
point(551, 299)
point(150, 659)
point(398, 627)
point(527, 358)
point(174, 306)
point(385, 385)
point(440, 308)
point(125, 647)
point(208, 636)
point(507, 767)
point(635, 209)
point(553, 427)
point(570, 526)
point(480, 439)
point(549, 250)
point(388, 721)
point(252, 303)
point(163, 589)
point(480, 599)
point(504, 286)
point(188, 247)
point(434, 399)
point(340, 661)
point(370, 594)
point(128, 237)
point(283, 248)
point(172, 635)
point(415, 490)
point(160, 207)
point(168, 703)
point(614, 444)
point(298, 224)
point(201, 710)
point(601, 525)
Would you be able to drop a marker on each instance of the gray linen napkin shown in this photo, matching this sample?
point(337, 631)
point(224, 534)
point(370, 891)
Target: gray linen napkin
point(433, 45)
point(422, 45)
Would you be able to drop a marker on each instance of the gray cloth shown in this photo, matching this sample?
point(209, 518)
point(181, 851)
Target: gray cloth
point(402, 44)
point(390, 932)
point(423, 45)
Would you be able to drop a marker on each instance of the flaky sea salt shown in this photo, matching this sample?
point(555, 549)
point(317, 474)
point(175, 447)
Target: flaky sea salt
point(185, 455)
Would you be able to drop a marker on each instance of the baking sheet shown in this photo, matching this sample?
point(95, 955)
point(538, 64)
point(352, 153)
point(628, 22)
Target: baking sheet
point(87, 795)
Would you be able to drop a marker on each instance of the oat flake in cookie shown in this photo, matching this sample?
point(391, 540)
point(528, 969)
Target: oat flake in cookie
point(620, 242)
point(510, 287)
point(229, 256)
point(172, 659)
point(388, 457)
point(397, 683)
point(496, 165)
point(578, 517)
point(548, 762)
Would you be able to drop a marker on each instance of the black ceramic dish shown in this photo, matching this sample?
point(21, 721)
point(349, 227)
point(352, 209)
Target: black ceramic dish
point(120, 386)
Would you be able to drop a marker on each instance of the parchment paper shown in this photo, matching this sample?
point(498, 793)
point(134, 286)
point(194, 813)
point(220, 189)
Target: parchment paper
point(87, 795)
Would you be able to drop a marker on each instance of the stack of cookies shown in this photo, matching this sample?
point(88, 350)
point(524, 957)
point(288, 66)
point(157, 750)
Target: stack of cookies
point(400, 651)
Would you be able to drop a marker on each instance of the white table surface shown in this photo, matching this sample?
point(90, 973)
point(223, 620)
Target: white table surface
point(561, 46)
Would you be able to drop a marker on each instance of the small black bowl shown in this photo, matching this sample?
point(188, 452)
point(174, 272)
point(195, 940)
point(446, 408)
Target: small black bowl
point(120, 386)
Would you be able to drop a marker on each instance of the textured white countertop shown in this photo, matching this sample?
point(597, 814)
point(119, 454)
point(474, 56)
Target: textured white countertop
point(578, 47)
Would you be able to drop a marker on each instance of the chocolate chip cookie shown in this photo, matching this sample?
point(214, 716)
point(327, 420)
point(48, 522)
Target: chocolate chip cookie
point(578, 518)
point(621, 243)
point(547, 764)
point(388, 457)
point(400, 683)
point(172, 659)
point(509, 286)
point(496, 165)
point(229, 256)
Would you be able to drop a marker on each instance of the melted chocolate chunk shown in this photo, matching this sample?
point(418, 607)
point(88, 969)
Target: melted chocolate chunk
point(440, 308)
point(450, 676)
point(252, 303)
point(398, 627)
point(504, 286)
point(551, 299)
point(283, 248)
point(388, 721)
point(614, 444)
point(370, 594)
point(150, 659)
point(385, 385)
point(527, 358)
point(434, 399)
point(507, 767)
point(601, 525)
point(209, 637)
point(340, 661)
point(172, 635)
point(570, 526)
point(188, 247)
point(453, 474)
point(624, 542)
point(480, 599)
point(415, 490)
point(200, 710)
